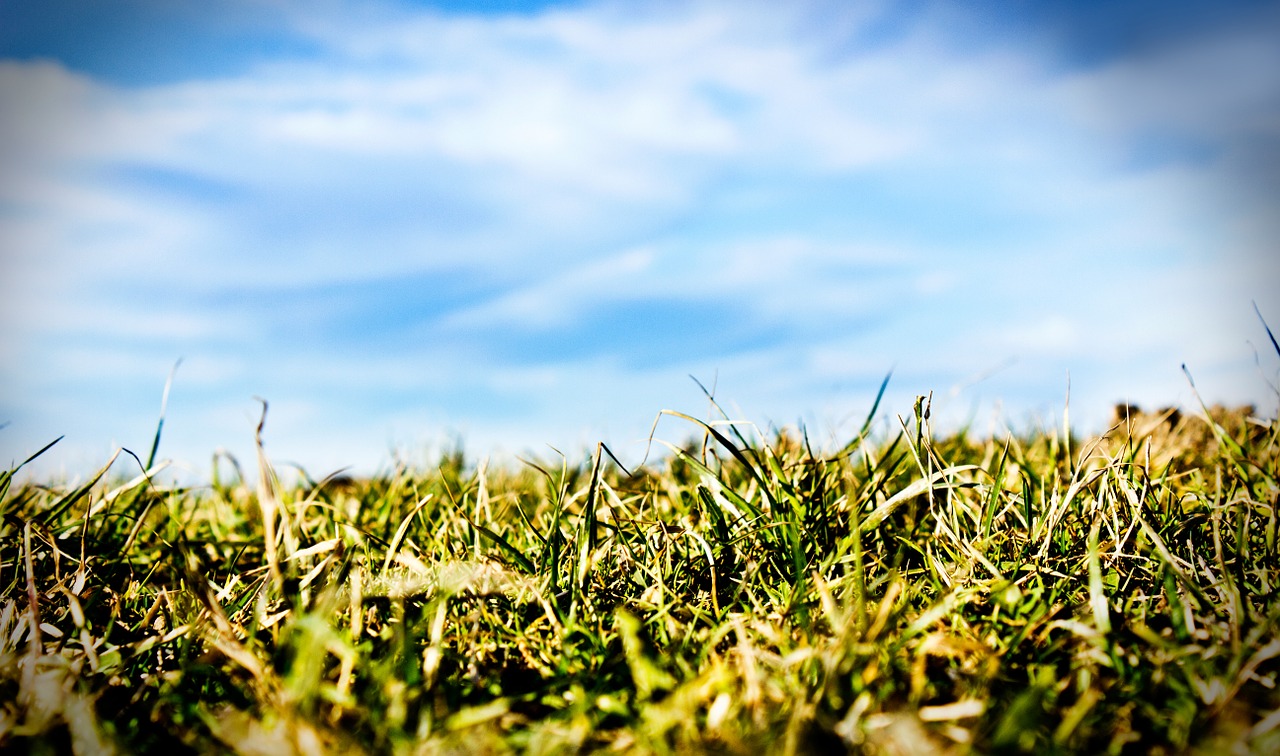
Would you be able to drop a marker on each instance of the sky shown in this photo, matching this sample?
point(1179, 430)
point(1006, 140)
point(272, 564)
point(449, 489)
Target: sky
point(532, 226)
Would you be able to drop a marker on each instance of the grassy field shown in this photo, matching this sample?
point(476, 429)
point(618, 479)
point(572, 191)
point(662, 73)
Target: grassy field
point(905, 594)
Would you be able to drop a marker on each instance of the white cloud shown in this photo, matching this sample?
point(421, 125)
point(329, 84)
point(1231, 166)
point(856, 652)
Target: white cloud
point(908, 203)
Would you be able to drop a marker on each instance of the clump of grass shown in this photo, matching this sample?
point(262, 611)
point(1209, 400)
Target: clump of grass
point(904, 594)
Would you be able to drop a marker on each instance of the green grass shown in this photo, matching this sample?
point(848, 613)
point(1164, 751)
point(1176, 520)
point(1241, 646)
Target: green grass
point(903, 594)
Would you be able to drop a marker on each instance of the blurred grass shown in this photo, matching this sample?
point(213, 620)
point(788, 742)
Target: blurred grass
point(906, 594)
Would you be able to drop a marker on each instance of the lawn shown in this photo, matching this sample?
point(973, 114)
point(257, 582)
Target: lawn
point(744, 592)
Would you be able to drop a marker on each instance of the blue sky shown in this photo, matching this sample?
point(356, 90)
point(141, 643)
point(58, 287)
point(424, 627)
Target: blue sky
point(527, 224)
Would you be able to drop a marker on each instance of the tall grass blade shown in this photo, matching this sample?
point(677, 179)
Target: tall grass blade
point(49, 516)
point(164, 407)
point(511, 551)
point(1270, 335)
point(1097, 593)
point(6, 476)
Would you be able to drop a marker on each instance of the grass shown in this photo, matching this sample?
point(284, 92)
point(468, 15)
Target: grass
point(904, 594)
